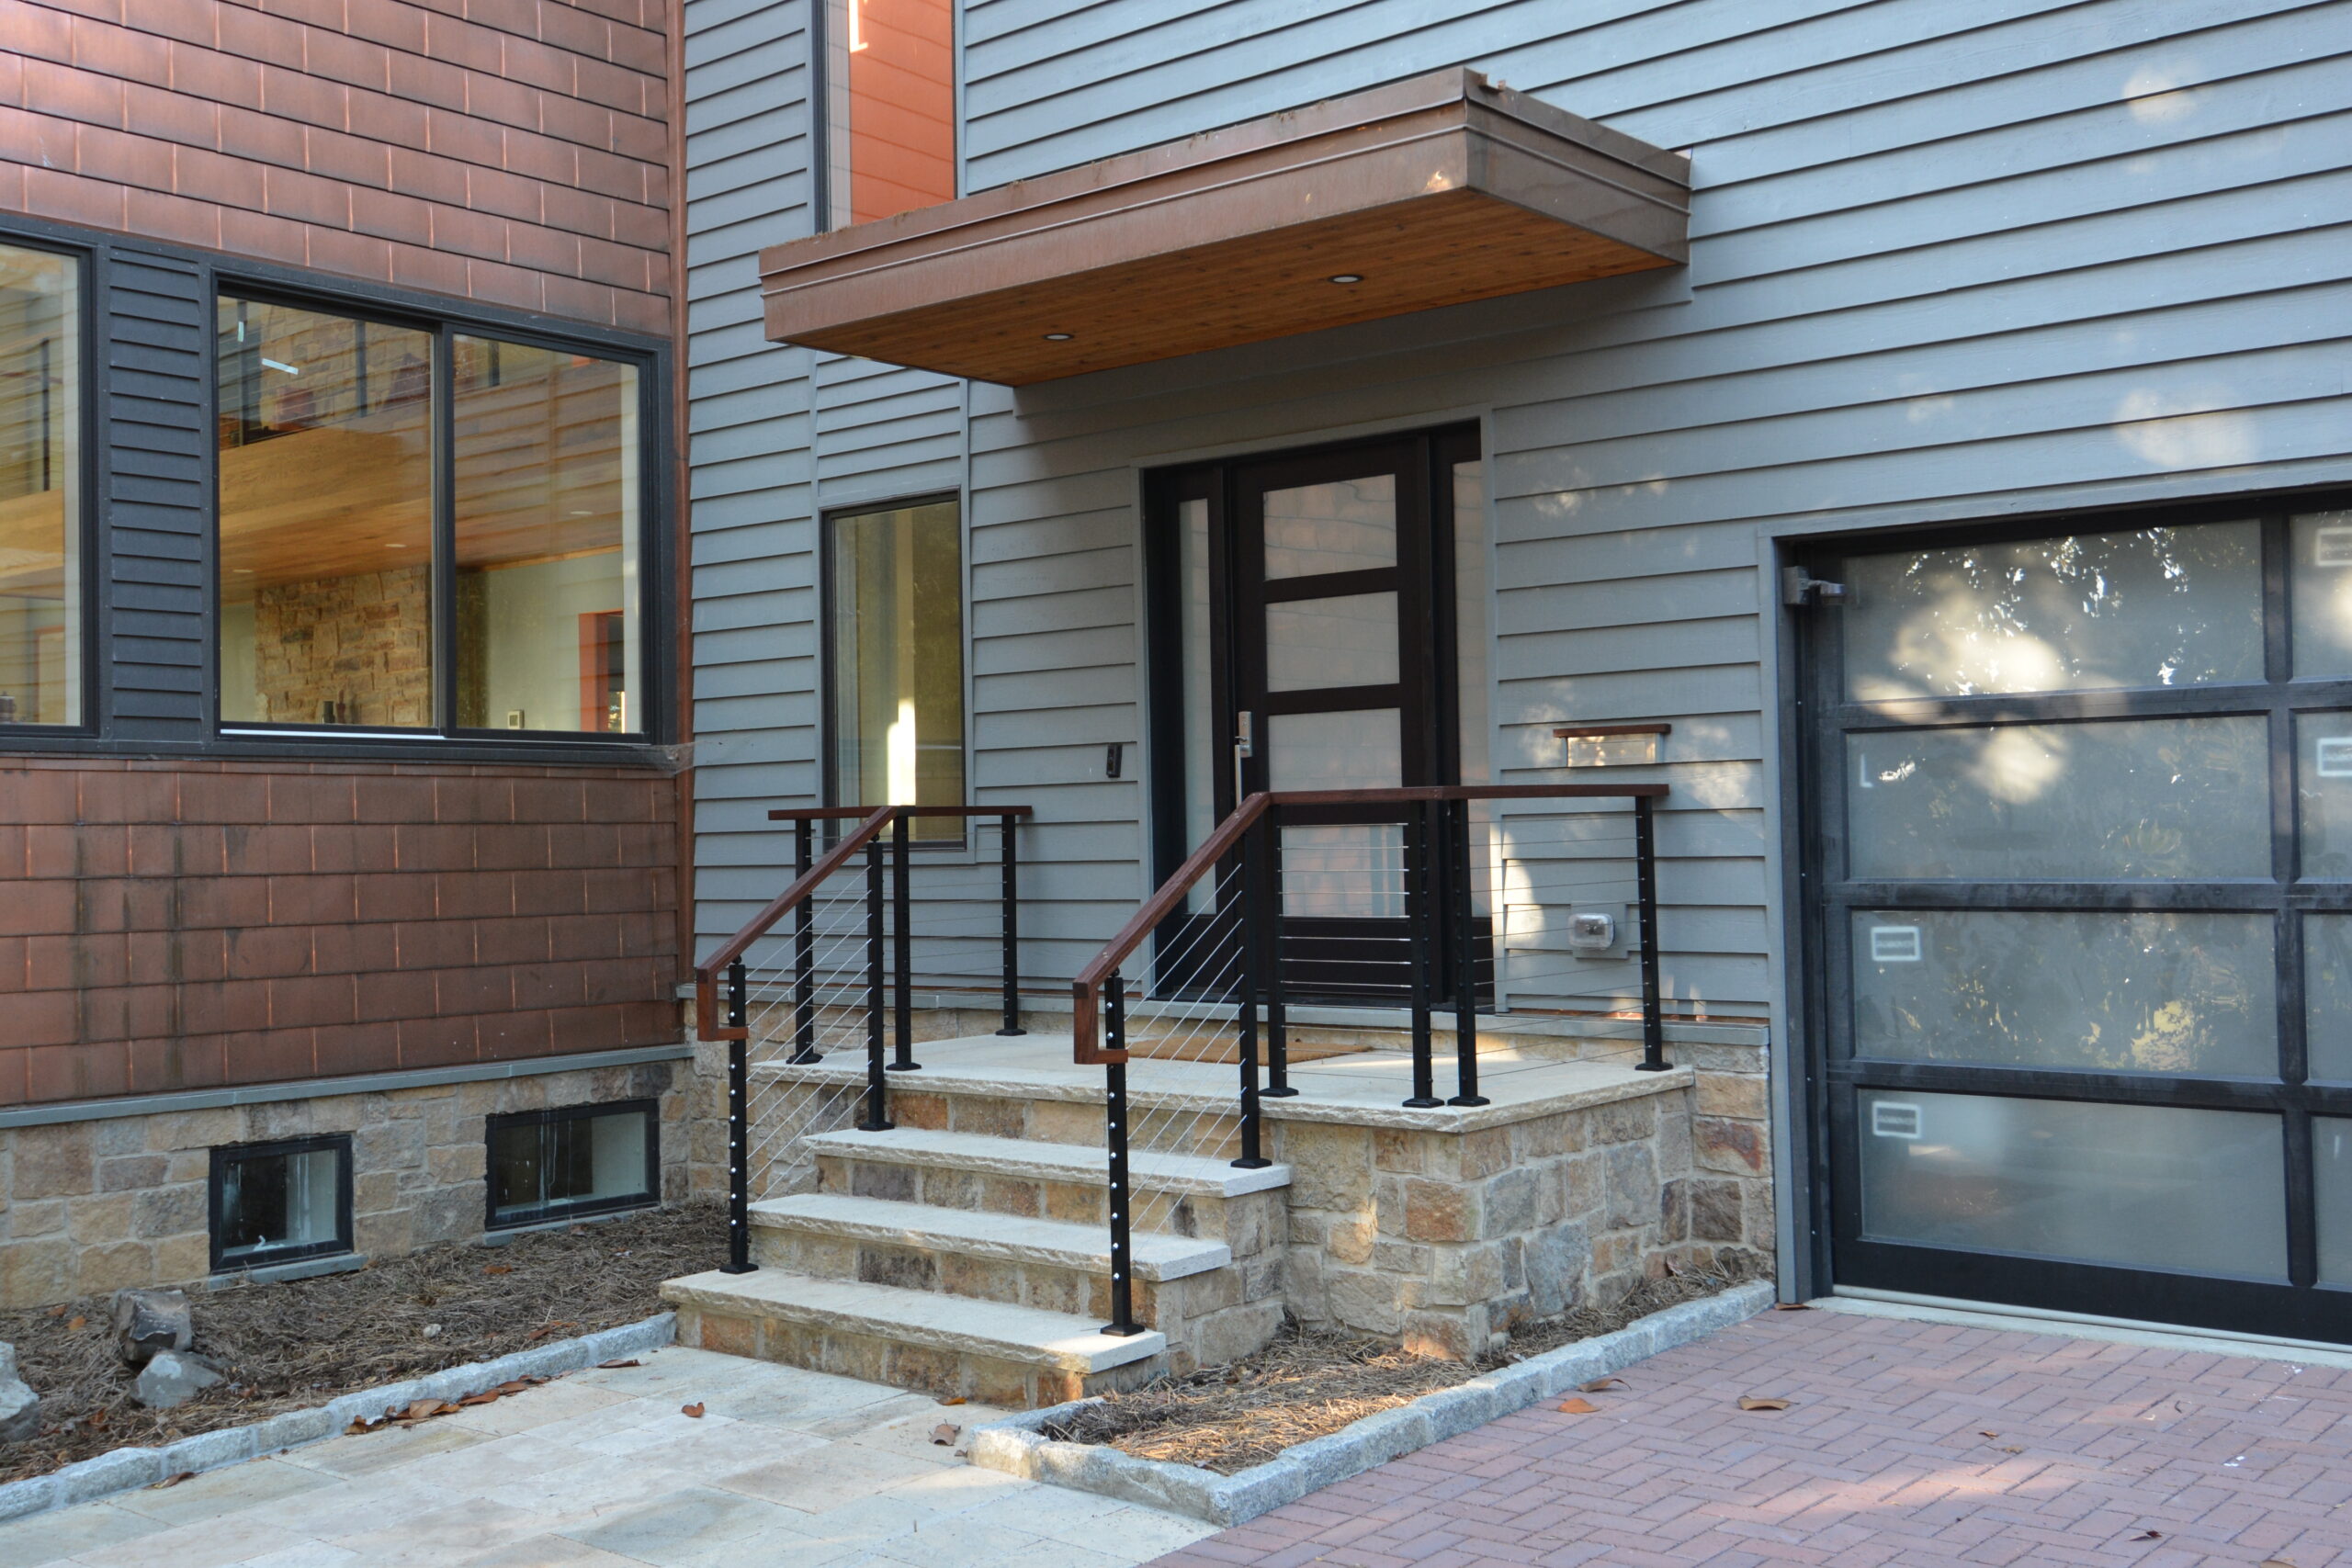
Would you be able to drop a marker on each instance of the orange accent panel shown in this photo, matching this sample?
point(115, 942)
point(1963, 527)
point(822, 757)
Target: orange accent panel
point(901, 107)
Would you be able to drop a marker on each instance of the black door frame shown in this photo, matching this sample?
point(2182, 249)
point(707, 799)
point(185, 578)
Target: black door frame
point(1816, 719)
point(1426, 694)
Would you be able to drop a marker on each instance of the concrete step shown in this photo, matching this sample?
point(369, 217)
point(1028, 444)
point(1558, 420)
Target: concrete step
point(853, 1223)
point(991, 1351)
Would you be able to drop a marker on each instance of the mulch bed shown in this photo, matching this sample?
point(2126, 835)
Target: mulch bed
point(291, 1345)
point(1307, 1384)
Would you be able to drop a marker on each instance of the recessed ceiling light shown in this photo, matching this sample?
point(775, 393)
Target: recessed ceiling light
point(1347, 278)
point(1058, 337)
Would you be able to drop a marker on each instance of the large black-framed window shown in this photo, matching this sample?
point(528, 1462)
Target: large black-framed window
point(570, 1161)
point(280, 1202)
point(2079, 950)
point(893, 628)
point(424, 529)
point(45, 627)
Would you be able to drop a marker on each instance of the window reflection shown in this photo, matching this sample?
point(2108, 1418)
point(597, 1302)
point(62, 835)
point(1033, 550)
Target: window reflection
point(547, 540)
point(325, 519)
point(897, 646)
point(40, 525)
point(2155, 607)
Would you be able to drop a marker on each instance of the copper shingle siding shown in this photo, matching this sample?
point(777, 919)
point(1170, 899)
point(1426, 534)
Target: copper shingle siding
point(512, 151)
point(178, 925)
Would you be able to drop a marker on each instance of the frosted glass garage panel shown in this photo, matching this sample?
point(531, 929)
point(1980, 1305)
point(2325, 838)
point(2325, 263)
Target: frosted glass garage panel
point(2085, 612)
point(2149, 992)
point(2327, 997)
point(2324, 790)
point(2135, 1186)
point(2151, 798)
point(2332, 1180)
point(2320, 589)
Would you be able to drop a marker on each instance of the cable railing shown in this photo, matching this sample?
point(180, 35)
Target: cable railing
point(829, 966)
point(1383, 905)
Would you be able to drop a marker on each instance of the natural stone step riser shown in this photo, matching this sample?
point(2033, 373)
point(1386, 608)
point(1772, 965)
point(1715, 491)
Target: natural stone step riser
point(985, 1380)
point(1247, 1224)
point(782, 1111)
point(1051, 1287)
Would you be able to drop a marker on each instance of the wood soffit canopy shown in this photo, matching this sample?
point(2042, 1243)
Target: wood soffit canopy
point(1432, 191)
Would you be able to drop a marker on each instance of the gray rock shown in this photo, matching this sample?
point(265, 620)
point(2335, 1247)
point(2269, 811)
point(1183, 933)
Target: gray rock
point(149, 1321)
point(19, 1405)
point(173, 1377)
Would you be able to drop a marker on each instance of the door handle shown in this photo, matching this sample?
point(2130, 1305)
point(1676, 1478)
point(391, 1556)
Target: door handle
point(1245, 746)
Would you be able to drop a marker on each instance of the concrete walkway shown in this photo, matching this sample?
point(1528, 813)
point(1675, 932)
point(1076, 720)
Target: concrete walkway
point(785, 1468)
point(1905, 1442)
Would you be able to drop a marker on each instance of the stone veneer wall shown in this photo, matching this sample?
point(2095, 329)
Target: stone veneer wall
point(98, 1205)
point(360, 640)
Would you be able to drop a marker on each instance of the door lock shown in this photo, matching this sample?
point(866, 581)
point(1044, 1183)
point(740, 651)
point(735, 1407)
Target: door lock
point(1245, 742)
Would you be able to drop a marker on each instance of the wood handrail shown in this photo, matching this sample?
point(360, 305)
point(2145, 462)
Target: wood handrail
point(845, 813)
point(707, 971)
point(1086, 991)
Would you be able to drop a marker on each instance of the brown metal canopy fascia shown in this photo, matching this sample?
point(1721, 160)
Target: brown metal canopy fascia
point(1436, 190)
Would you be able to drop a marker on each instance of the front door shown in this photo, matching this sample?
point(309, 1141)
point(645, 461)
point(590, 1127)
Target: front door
point(1306, 608)
point(2082, 930)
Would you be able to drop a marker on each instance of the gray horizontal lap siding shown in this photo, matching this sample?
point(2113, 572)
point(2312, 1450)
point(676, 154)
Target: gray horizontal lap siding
point(1948, 262)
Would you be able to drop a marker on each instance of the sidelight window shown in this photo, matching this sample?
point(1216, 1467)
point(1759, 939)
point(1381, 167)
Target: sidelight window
point(896, 607)
point(426, 531)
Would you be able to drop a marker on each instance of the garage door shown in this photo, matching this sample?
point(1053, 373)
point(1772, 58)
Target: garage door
point(2080, 823)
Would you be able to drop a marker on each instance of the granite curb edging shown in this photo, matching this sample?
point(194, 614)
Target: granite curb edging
point(124, 1469)
point(1016, 1447)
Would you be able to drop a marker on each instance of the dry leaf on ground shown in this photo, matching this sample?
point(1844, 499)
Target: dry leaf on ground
point(617, 1366)
point(953, 1399)
point(498, 1268)
point(1791, 1306)
point(1597, 1384)
point(173, 1480)
point(2148, 1535)
point(547, 1328)
point(694, 1410)
point(946, 1434)
point(77, 1323)
point(1577, 1407)
point(1754, 1401)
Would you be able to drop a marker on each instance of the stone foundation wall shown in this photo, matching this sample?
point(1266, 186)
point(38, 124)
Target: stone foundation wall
point(97, 1205)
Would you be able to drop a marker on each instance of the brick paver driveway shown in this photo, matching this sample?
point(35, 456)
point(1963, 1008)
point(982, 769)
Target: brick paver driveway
point(1905, 1442)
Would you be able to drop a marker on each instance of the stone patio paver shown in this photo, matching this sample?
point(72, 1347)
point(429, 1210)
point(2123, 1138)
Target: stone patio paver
point(1909, 1444)
point(785, 1468)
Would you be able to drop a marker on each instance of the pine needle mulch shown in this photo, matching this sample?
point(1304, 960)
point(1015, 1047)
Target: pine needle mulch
point(1307, 1384)
point(300, 1343)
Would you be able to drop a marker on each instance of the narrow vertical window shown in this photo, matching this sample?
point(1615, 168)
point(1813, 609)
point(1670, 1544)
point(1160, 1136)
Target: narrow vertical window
point(549, 540)
point(40, 520)
point(892, 107)
point(326, 519)
point(897, 653)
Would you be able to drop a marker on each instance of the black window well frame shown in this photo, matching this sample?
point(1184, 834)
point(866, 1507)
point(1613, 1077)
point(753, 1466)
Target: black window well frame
point(51, 240)
point(1817, 715)
point(150, 472)
point(828, 702)
point(225, 1155)
point(547, 1213)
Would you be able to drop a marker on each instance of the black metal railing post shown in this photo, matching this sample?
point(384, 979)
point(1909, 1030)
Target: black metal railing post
point(1418, 913)
point(875, 1121)
point(1270, 865)
point(1249, 886)
point(803, 951)
point(738, 1125)
point(1646, 886)
point(903, 948)
point(1115, 1131)
point(1456, 815)
point(1012, 927)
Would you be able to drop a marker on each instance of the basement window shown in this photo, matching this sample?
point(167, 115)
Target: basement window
point(280, 1202)
point(576, 1160)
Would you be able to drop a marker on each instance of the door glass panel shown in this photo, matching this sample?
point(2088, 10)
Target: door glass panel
point(2332, 1177)
point(1356, 750)
point(1202, 754)
point(2320, 589)
point(2143, 993)
point(1354, 870)
point(2139, 1186)
point(2156, 607)
point(2327, 997)
point(40, 501)
point(1347, 526)
point(2323, 782)
point(1348, 641)
point(2159, 797)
